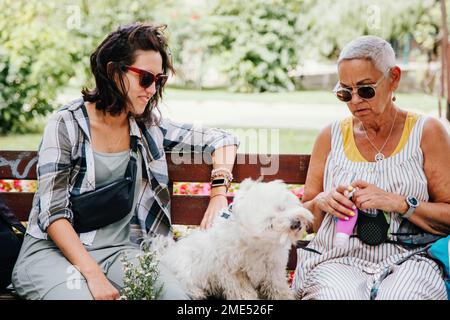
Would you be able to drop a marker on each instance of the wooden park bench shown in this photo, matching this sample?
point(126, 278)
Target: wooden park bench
point(186, 209)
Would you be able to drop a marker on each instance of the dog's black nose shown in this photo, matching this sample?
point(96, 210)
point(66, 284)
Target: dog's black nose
point(296, 224)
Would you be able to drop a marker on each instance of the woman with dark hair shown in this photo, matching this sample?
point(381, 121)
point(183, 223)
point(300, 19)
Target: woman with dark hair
point(102, 175)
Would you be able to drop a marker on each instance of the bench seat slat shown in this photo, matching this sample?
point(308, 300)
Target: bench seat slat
point(186, 210)
point(19, 203)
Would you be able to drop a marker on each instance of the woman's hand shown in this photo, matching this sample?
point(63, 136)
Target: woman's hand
point(68, 241)
point(370, 196)
point(335, 203)
point(216, 203)
point(101, 288)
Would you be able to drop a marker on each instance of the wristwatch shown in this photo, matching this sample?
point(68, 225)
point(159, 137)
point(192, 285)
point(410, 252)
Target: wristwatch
point(217, 182)
point(412, 203)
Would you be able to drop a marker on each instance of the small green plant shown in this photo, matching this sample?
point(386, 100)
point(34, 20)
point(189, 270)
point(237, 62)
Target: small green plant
point(140, 282)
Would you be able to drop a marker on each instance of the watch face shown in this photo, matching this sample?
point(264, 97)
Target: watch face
point(218, 182)
point(413, 201)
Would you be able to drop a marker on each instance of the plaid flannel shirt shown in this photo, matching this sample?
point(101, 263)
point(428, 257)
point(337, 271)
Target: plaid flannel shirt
point(66, 167)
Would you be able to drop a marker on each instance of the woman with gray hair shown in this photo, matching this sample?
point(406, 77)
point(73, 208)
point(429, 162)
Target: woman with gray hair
point(395, 163)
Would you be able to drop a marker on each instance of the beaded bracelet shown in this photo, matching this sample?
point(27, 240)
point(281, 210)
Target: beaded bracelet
point(219, 194)
point(222, 172)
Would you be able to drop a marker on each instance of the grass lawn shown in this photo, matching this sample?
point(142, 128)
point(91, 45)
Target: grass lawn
point(419, 101)
point(20, 141)
point(285, 141)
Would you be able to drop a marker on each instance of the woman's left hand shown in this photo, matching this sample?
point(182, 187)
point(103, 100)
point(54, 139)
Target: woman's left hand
point(370, 196)
point(216, 204)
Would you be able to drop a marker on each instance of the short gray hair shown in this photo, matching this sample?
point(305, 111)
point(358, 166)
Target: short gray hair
point(372, 48)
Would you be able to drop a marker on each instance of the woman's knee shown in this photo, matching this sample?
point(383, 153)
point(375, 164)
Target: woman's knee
point(77, 290)
point(413, 291)
point(23, 287)
point(335, 282)
point(414, 280)
point(332, 292)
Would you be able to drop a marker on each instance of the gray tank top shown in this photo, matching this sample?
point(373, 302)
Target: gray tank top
point(108, 168)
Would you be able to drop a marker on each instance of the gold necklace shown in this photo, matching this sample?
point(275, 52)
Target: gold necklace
point(111, 146)
point(380, 156)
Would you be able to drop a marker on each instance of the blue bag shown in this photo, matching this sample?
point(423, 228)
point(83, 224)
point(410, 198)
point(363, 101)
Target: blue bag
point(440, 251)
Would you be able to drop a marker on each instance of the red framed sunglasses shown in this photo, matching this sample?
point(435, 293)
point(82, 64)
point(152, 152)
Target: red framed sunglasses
point(147, 78)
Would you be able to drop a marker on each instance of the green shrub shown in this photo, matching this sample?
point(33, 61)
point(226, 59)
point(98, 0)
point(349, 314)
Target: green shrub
point(35, 61)
point(44, 44)
point(257, 43)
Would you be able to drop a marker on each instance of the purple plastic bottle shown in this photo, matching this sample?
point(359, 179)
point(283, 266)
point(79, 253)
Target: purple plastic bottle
point(344, 228)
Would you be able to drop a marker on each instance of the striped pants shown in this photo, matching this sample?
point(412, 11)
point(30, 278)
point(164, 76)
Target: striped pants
point(412, 280)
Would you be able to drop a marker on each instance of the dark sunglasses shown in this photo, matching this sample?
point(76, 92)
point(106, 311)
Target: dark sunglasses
point(147, 78)
point(365, 91)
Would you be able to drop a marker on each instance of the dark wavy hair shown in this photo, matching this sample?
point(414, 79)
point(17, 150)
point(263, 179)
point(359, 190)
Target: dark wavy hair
point(119, 47)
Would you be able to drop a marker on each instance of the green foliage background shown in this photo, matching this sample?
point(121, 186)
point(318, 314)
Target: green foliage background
point(45, 45)
point(34, 62)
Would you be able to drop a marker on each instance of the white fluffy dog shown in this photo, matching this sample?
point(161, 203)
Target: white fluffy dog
point(243, 255)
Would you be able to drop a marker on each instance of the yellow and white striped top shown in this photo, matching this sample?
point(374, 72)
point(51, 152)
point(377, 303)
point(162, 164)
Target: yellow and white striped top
point(319, 273)
point(351, 150)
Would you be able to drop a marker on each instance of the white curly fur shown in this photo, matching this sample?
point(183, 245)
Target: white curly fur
point(244, 256)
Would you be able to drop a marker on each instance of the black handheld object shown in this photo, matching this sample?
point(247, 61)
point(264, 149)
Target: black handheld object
point(372, 227)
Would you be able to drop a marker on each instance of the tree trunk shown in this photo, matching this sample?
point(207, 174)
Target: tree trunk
point(445, 55)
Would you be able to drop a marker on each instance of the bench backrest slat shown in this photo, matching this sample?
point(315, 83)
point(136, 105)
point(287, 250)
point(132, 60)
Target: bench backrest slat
point(21, 165)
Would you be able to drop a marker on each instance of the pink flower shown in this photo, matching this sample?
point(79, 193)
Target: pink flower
point(291, 277)
point(299, 192)
point(206, 189)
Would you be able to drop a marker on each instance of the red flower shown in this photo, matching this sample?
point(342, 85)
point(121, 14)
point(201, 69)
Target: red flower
point(291, 277)
point(183, 189)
